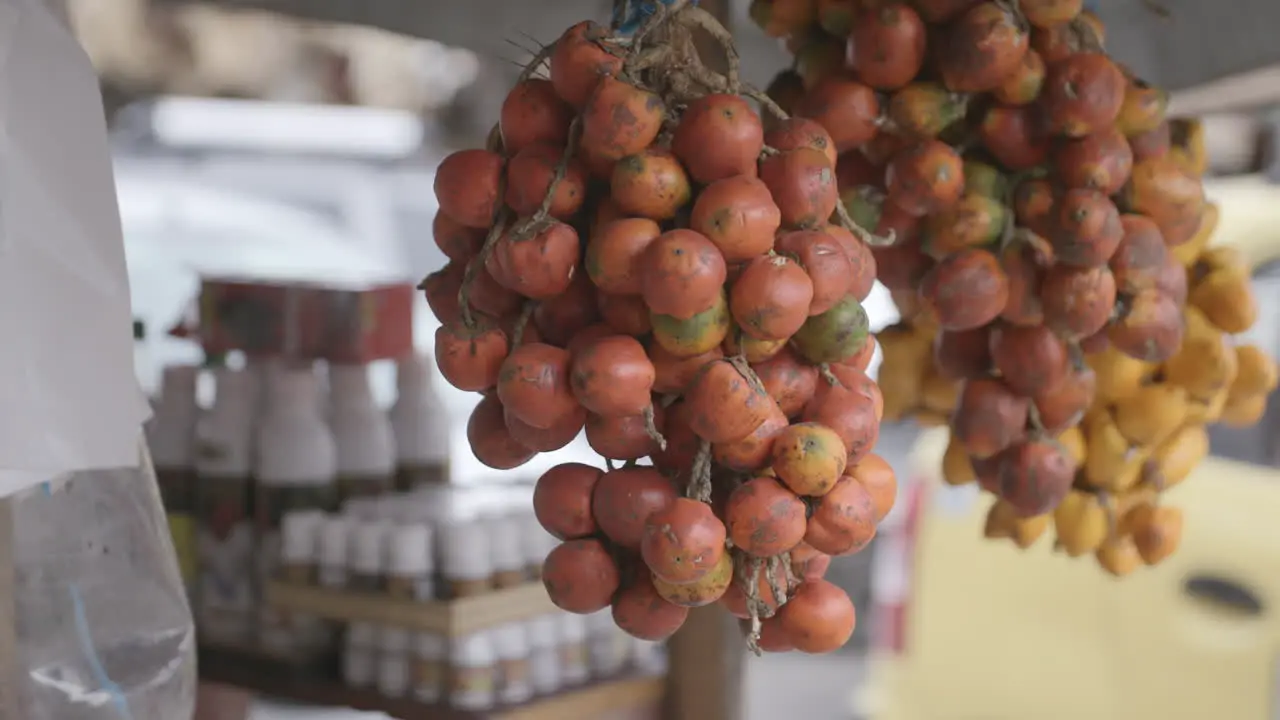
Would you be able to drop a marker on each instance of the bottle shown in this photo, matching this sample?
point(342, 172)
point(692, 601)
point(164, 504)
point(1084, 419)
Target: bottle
point(359, 656)
point(573, 649)
point(506, 553)
point(369, 556)
point(421, 425)
point(295, 470)
point(536, 543)
point(544, 654)
point(410, 571)
point(466, 561)
point(300, 536)
point(394, 676)
point(334, 543)
point(473, 672)
point(430, 667)
point(224, 531)
point(511, 646)
point(362, 434)
point(171, 435)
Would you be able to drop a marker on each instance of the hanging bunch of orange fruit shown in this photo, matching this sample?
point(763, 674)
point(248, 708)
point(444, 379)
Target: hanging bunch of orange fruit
point(1063, 311)
point(634, 257)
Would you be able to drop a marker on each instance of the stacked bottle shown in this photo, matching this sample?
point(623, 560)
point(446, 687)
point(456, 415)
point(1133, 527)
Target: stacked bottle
point(362, 434)
point(420, 424)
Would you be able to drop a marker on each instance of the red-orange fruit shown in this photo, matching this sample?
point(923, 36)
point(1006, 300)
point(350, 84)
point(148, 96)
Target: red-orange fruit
point(578, 62)
point(719, 136)
point(818, 617)
point(843, 521)
point(612, 376)
point(650, 184)
point(1078, 302)
point(1031, 360)
point(887, 45)
point(847, 109)
point(620, 119)
point(966, 290)
point(639, 611)
point(533, 384)
point(469, 358)
point(1035, 475)
point(788, 380)
point(624, 499)
point(1065, 405)
point(1139, 263)
point(562, 500)
point(925, 177)
point(1023, 86)
point(539, 266)
point(533, 113)
point(457, 241)
point(549, 439)
point(825, 261)
point(613, 254)
point(683, 541)
point(530, 173)
point(771, 297)
point(1025, 272)
point(1100, 161)
point(803, 185)
point(466, 186)
point(1083, 94)
point(1086, 228)
point(1149, 328)
point(989, 417)
point(682, 274)
point(764, 518)
point(623, 438)
point(1012, 137)
point(739, 215)
point(798, 132)
point(580, 576)
point(673, 374)
point(753, 452)
point(982, 48)
point(963, 354)
point(723, 406)
point(852, 408)
point(490, 440)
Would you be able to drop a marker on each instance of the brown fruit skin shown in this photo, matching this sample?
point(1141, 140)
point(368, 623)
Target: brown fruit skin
point(825, 261)
point(564, 431)
point(626, 314)
point(765, 518)
point(533, 113)
point(942, 11)
point(843, 521)
point(441, 290)
point(902, 265)
point(1086, 229)
point(803, 185)
point(612, 376)
point(466, 186)
point(887, 45)
point(493, 298)
point(797, 132)
point(1033, 204)
point(622, 438)
point(1078, 302)
point(789, 381)
point(981, 49)
point(925, 178)
point(1031, 360)
point(1025, 274)
point(1149, 328)
point(457, 241)
point(818, 618)
point(558, 320)
point(624, 499)
point(719, 136)
point(562, 500)
point(963, 354)
point(650, 184)
point(620, 119)
point(723, 405)
point(966, 290)
point(1012, 137)
point(614, 252)
point(1083, 94)
point(853, 409)
point(683, 443)
point(580, 576)
point(1139, 263)
point(770, 299)
point(673, 374)
point(642, 613)
point(539, 267)
point(847, 109)
point(1035, 476)
point(491, 441)
point(989, 417)
point(752, 453)
point(683, 541)
point(530, 173)
point(533, 385)
point(578, 62)
point(1100, 161)
point(1065, 405)
point(682, 273)
point(469, 359)
point(739, 215)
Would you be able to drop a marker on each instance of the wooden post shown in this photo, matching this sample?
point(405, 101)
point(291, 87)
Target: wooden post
point(708, 654)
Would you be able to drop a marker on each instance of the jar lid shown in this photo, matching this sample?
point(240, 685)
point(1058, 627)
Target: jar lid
point(410, 549)
point(369, 549)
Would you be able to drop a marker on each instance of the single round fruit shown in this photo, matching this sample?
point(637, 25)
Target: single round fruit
point(809, 458)
point(580, 576)
point(818, 618)
point(562, 500)
point(643, 613)
point(624, 499)
point(843, 520)
point(683, 541)
point(764, 518)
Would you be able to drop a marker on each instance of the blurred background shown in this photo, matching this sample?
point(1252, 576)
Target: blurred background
point(300, 138)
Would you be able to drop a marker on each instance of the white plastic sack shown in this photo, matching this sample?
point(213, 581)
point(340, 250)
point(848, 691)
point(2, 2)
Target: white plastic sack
point(94, 624)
